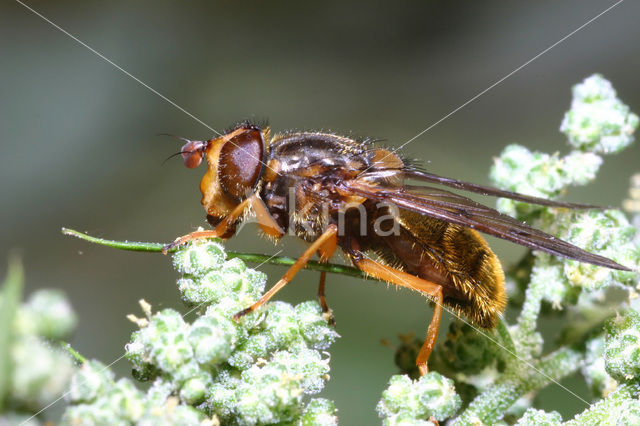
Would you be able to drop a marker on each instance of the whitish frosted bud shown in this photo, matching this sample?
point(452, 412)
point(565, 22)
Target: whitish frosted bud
point(607, 233)
point(533, 173)
point(89, 414)
point(199, 257)
point(267, 395)
point(194, 390)
point(548, 276)
point(320, 412)
point(593, 370)
point(258, 345)
point(622, 346)
point(223, 397)
point(598, 121)
point(47, 313)
point(431, 395)
point(281, 324)
point(164, 342)
point(231, 286)
point(91, 380)
point(621, 407)
point(279, 328)
point(540, 175)
point(270, 391)
point(581, 167)
point(307, 365)
point(126, 401)
point(213, 338)
point(137, 353)
point(314, 326)
point(535, 417)
point(171, 351)
point(171, 414)
point(39, 374)
point(405, 419)
point(204, 290)
point(159, 391)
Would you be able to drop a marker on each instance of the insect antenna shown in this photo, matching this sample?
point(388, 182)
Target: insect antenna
point(175, 155)
point(174, 136)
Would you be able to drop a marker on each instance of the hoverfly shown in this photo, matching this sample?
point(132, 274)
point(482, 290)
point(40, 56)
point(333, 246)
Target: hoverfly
point(318, 185)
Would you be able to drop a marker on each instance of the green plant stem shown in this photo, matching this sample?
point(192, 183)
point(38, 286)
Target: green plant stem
point(75, 354)
point(247, 257)
point(10, 296)
point(530, 308)
point(505, 336)
point(490, 406)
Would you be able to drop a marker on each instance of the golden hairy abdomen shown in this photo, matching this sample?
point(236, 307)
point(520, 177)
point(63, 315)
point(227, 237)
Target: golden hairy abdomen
point(457, 258)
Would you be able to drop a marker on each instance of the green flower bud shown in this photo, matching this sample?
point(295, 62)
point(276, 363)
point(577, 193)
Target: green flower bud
point(172, 414)
point(535, 417)
point(91, 380)
point(194, 390)
point(236, 370)
point(281, 324)
point(598, 121)
point(39, 374)
point(621, 407)
point(540, 175)
point(622, 346)
point(315, 329)
point(607, 233)
point(320, 412)
point(593, 370)
point(126, 400)
point(432, 395)
point(159, 391)
point(47, 313)
point(548, 276)
point(534, 173)
point(199, 257)
point(465, 350)
point(213, 338)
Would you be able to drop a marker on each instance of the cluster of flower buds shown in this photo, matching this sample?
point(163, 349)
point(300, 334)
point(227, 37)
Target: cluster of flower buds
point(260, 369)
point(430, 398)
point(40, 369)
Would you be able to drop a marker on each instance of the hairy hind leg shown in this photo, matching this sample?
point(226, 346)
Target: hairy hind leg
point(401, 278)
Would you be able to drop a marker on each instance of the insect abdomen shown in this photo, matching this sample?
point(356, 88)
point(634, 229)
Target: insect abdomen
point(457, 258)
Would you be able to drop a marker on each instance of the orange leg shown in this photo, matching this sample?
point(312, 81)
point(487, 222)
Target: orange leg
point(266, 222)
point(433, 290)
point(326, 310)
point(326, 250)
point(326, 240)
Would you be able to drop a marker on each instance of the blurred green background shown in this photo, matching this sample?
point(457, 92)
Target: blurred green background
point(80, 145)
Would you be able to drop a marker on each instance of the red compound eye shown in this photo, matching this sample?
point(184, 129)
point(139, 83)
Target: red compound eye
point(192, 153)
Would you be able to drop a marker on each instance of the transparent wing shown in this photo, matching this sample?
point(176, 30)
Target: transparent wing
point(471, 187)
point(454, 208)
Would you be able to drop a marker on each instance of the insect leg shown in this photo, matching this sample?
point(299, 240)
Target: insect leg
point(397, 277)
point(327, 239)
point(327, 312)
point(266, 222)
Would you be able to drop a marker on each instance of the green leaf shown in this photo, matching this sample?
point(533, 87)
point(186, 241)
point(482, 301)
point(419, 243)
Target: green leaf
point(10, 295)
